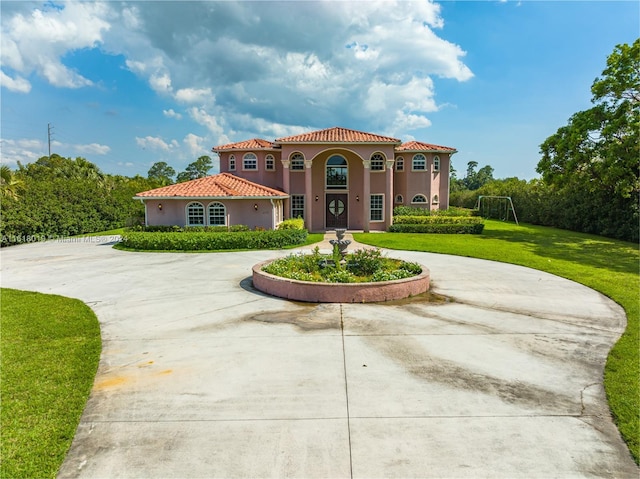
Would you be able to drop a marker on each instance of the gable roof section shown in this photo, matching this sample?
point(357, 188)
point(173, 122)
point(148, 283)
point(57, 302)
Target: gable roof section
point(428, 147)
point(338, 135)
point(253, 144)
point(222, 185)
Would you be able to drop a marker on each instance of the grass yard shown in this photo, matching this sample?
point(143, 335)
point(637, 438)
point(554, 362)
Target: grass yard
point(606, 265)
point(50, 350)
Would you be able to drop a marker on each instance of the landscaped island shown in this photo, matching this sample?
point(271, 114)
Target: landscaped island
point(362, 276)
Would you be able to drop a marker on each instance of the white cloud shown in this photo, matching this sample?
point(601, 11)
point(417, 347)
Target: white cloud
point(14, 84)
point(194, 95)
point(171, 114)
point(155, 143)
point(22, 150)
point(92, 149)
point(195, 145)
point(37, 42)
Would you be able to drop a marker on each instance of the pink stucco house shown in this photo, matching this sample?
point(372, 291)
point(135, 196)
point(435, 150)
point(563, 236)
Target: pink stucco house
point(333, 178)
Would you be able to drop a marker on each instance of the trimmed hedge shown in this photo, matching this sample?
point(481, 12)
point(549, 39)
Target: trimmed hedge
point(420, 220)
point(441, 228)
point(188, 229)
point(417, 211)
point(207, 241)
point(292, 224)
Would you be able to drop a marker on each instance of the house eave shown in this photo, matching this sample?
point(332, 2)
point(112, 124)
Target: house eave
point(264, 197)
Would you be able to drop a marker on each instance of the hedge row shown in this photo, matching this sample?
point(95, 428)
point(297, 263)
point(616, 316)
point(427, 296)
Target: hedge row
point(422, 220)
point(188, 229)
point(440, 228)
point(177, 241)
point(417, 211)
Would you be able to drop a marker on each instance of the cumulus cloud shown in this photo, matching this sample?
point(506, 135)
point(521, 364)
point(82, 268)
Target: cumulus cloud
point(36, 41)
point(155, 143)
point(92, 149)
point(171, 114)
point(260, 68)
point(14, 84)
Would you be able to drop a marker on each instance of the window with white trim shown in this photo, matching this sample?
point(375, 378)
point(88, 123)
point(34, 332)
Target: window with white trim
point(419, 199)
point(217, 214)
point(269, 163)
point(436, 163)
point(297, 206)
point(419, 162)
point(250, 162)
point(232, 163)
point(195, 214)
point(376, 208)
point(400, 164)
point(435, 200)
point(297, 162)
point(399, 199)
point(377, 162)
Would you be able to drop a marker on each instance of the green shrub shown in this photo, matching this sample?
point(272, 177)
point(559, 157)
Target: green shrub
point(438, 228)
point(292, 224)
point(364, 262)
point(411, 267)
point(417, 211)
point(206, 241)
point(417, 220)
point(188, 229)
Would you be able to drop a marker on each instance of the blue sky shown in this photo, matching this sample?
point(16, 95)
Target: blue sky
point(126, 84)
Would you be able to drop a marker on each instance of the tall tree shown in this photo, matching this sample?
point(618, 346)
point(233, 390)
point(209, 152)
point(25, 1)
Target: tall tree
point(598, 151)
point(198, 169)
point(11, 186)
point(162, 173)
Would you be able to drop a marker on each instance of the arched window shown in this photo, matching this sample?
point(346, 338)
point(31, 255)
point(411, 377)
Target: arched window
point(250, 162)
point(419, 162)
point(436, 163)
point(217, 214)
point(419, 199)
point(399, 199)
point(399, 164)
point(377, 162)
point(297, 162)
point(337, 171)
point(435, 200)
point(269, 163)
point(232, 163)
point(195, 214)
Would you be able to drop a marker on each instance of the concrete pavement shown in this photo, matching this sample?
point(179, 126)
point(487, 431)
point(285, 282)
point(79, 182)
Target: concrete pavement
point(201, 376)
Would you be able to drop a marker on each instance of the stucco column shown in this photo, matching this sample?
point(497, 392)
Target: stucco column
point(285, 186)
point(366, 193)
point(308, 200)
point(389, 193)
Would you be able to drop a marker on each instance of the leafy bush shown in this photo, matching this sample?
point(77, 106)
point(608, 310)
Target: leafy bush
point(417, 211)
point(391, 275)
point(292, 224)
point(189, 229)
point(364, 261)
point(207, 241)
point(411, 267)
point(438, 228)
point(455, 220)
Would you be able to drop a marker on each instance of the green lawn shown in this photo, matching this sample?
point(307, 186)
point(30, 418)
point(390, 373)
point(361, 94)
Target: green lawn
point(50, 350)
point(606, 265)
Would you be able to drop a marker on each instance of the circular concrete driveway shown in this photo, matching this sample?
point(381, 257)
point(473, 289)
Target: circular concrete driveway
point(202, 376)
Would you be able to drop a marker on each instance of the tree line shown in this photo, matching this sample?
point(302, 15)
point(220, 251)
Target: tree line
point(589, 176)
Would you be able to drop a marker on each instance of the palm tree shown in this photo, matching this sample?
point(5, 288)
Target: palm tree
point(10, 185)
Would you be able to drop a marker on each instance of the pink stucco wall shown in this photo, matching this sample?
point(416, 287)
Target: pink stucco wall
point(239, 212)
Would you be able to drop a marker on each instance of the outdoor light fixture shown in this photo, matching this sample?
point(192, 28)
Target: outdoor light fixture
point(317, 197)
point(357, 197)
point(255, 206)
point(160, 206)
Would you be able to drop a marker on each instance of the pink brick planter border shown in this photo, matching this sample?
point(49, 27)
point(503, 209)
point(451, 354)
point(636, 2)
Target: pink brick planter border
point(339, 292)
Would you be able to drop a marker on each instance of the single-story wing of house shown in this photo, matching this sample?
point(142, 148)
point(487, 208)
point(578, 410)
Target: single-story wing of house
point(222, 199)
point(332, 178)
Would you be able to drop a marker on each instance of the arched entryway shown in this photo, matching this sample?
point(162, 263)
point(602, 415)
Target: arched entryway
point(336, 198)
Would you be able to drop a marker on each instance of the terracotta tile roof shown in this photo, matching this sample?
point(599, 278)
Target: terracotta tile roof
point(223, 185)
point(419, 146)
point(337, 135)
point(253, 144)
